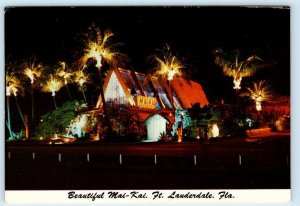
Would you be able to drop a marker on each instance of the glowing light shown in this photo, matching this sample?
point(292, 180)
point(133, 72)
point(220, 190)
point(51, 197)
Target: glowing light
point(258, 106)
point(13, 85)
point(237, 82)
point(259, 93)
point(95, 52)
point(169, 66)
point(77, 126)
point(215, 130)
point(156, 125)
point(55, 137)
point(53, 85)
point(237, 69)
point(82, 78)
point(97, 46)
point(33, 71)
point(63, 73)
point(11, 89)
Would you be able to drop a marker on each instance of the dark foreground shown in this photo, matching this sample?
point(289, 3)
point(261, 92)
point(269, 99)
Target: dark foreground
point(227, 164)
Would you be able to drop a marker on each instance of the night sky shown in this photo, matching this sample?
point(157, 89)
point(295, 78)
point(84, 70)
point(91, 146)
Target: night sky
point(52, 35)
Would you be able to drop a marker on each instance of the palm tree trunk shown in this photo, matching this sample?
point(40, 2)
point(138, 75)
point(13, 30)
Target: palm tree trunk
point(8, 119)
point(68, 92)
point(54, 102)
point(32, 106)
point(107, 120)
point(237, 99)
point(19, 110)
point(83, 95)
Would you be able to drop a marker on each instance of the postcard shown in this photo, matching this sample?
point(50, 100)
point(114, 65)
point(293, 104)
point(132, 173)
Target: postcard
point(154, 104)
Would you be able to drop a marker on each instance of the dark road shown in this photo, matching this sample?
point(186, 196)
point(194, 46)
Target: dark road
point(227, 164)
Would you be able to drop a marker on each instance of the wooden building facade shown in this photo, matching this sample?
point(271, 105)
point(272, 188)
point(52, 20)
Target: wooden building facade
point(152, 100)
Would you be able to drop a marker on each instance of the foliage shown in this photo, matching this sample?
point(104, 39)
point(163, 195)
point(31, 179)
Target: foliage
point(167, 64)
point(163, 137)
point(57, 120)
point(125, 122)
point(82, 78)
point(260, 91)
point(234, 67)
point(276, 108)
point(99, 46)
point(32, 69)
point(181, 115)
point(230, 119)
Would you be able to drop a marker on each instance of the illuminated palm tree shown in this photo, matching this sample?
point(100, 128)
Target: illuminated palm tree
point(167, 67)
point(66, 75)
point(237, 69)
point(53, 85)
point(81, 78)
point(259, 92)
point(13, 87)
point(32, 70)
point(99, 47)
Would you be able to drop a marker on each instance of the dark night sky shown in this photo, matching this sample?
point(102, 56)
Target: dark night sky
point(51, 34)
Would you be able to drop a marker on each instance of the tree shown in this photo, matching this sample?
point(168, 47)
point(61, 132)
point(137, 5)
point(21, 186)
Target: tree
point(57, 120)
point(13, 87)
point(53, 85)
point(237, 69)
point(33, 71)
point(66, 74)
point(167, 67)
point(81, 79)
point(99, 47)
point(259, 92)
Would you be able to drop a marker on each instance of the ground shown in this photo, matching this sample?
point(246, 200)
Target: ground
point(233, 163)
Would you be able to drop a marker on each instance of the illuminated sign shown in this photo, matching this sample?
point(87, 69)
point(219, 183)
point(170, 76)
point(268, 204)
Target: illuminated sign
point(146, 102)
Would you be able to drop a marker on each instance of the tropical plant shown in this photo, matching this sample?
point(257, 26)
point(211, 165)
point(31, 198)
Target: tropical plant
point(82, 78)
point(13, 87)
point(58, 120)
point(236, 68)
point(230, 119)
point(99, 47)
point(163, 137)
point(167, 66)
point(32, 70)
point(64, 72)
point(259, 92)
